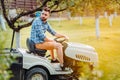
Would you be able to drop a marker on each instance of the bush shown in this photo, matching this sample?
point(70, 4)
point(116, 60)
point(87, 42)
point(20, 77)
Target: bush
point(4, 60)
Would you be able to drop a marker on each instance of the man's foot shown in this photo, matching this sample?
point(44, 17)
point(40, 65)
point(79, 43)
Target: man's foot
point(62, 67)
point(54, 61)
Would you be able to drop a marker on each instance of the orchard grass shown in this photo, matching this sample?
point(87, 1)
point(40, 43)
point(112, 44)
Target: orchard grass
point(107, 45)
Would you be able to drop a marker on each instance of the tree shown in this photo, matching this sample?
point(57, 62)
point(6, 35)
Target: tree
point(79, 8)
point(2, 22)
point(95, 7)
point(55, 5)
point(82, 5)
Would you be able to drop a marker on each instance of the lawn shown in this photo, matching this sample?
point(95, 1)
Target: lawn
point(107, 46)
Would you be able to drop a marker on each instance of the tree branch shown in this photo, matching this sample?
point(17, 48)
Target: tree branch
point(117, 1)
point(57, 4)
point(30, 12)
point(24, 25)
point(59, 10)
point(11, 22)
point(5, 15)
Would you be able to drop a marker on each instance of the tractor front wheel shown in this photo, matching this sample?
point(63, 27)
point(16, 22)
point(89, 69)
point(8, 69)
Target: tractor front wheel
point(36, 74)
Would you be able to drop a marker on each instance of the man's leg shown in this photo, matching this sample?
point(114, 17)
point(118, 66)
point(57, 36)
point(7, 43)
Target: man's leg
point(52, 54)
point(51, 51)
point(51, 46)
point(60, 53)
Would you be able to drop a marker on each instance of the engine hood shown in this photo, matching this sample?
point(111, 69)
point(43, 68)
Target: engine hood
point(81, 46)
point(81, 52)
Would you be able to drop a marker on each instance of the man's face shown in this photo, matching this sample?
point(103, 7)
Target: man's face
point(44, 15)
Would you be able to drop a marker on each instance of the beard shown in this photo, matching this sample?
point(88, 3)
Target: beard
point(43, 19)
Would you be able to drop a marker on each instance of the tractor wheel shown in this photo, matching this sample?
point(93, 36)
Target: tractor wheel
point(36, 74)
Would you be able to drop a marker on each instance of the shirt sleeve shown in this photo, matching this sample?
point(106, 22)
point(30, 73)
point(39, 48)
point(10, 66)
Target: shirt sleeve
point(50, 30)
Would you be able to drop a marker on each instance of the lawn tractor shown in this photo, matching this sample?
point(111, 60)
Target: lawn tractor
point(34, 64)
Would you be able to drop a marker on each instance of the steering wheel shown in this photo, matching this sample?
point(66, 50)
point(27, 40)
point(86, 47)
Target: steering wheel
point(60, 39)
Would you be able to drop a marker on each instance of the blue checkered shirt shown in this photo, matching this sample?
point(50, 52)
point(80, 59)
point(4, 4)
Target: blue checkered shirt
point(38, 30)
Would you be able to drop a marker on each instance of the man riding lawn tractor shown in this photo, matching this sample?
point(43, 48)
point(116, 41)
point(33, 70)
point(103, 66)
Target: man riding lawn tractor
point(39, 27)
point(71, 56)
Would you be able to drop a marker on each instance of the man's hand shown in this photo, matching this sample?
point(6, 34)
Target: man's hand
point(60, 35)
point(66, 37)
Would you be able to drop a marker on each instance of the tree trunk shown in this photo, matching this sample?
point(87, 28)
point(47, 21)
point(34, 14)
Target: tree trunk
point(110, 20)
point(18, 40)
point(2, 22)
point(69, 15)
point(97, 26)
point(115, 14)
point(81, 20)
point(105, 14)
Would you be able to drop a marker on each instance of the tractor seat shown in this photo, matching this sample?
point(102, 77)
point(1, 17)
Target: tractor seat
point(31, 47)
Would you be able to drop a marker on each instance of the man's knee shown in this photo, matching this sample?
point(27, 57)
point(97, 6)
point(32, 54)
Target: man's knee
point(58, 45)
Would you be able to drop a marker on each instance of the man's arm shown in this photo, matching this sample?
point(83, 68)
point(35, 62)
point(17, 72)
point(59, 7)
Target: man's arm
point(58, 35)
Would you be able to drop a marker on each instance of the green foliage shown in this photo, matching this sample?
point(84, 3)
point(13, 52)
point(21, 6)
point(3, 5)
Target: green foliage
point(4, 65)
point(5, 60)
point(78, 8)
point(83, 7)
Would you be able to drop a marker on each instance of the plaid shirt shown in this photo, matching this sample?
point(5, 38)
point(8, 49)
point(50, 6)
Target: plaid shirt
point(38, 30)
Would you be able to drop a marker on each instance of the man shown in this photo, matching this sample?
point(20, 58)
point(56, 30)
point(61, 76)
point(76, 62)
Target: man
point(39, 27)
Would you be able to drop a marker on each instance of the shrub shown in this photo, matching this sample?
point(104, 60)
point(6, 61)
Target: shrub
point(5, 61)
